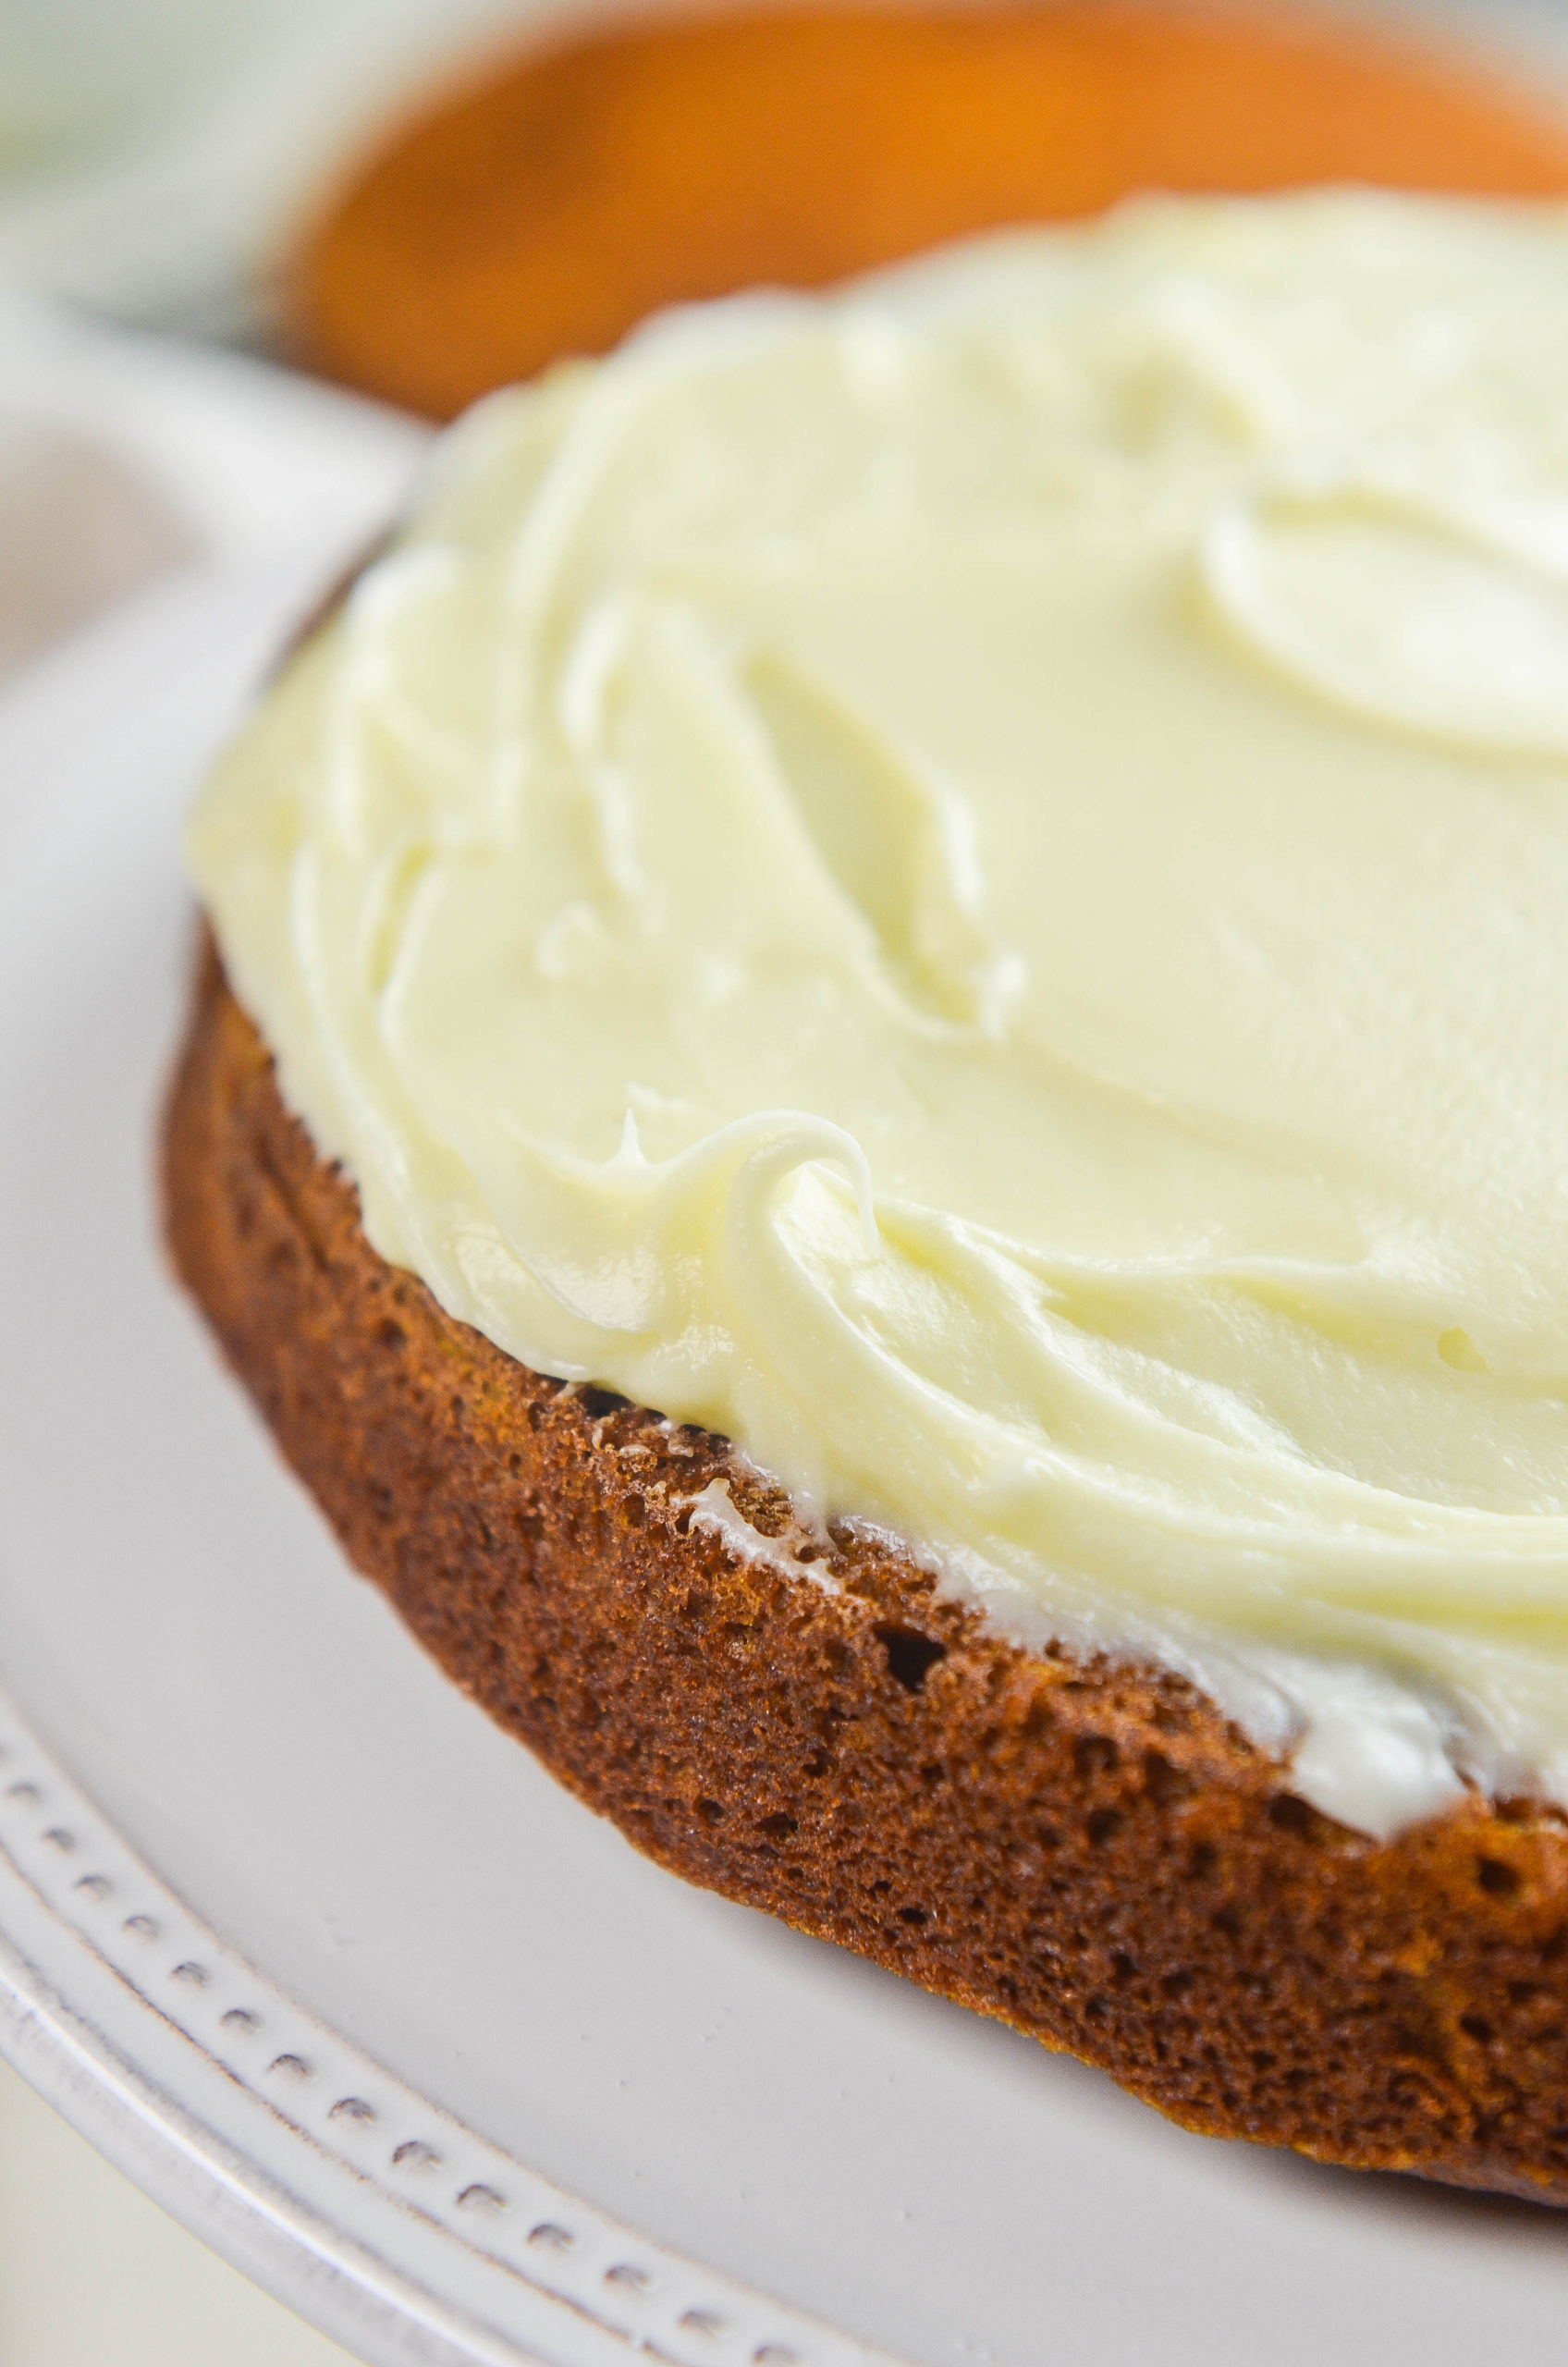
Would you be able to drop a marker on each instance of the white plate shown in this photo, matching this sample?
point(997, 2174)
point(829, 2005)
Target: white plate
point(338, 1973)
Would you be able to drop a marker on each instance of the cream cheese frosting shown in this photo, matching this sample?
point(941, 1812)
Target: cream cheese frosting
point(967, 882)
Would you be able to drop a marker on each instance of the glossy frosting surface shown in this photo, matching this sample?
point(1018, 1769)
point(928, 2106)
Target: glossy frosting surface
point(968, 883)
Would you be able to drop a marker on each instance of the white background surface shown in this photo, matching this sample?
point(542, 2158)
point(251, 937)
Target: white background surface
point(93, 2274)
point(179, 1625)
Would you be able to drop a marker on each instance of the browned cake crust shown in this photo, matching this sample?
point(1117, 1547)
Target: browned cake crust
point(1087, 1850)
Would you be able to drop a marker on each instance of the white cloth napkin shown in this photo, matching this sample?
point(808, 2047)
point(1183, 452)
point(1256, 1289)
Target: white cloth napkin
point(152, 151)
point(124, 457)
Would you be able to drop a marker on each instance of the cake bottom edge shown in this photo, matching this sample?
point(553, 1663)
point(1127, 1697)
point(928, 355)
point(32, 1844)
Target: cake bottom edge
point(1085, 1849)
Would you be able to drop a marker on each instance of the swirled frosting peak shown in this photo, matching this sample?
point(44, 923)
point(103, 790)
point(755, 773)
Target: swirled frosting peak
point(968, 882)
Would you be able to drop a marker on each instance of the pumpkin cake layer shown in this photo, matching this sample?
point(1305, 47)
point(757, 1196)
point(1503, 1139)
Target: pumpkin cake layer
point(1087, 1850)
point(958, 885)
point(961, 883)
point(548, 205)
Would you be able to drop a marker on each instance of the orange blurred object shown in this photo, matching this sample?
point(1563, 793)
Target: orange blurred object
point(545, 209)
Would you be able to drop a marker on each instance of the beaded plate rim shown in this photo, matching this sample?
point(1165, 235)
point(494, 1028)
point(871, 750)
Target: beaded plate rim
point(359, 2202)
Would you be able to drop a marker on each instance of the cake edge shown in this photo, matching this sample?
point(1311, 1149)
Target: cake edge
point(1084, 1850)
